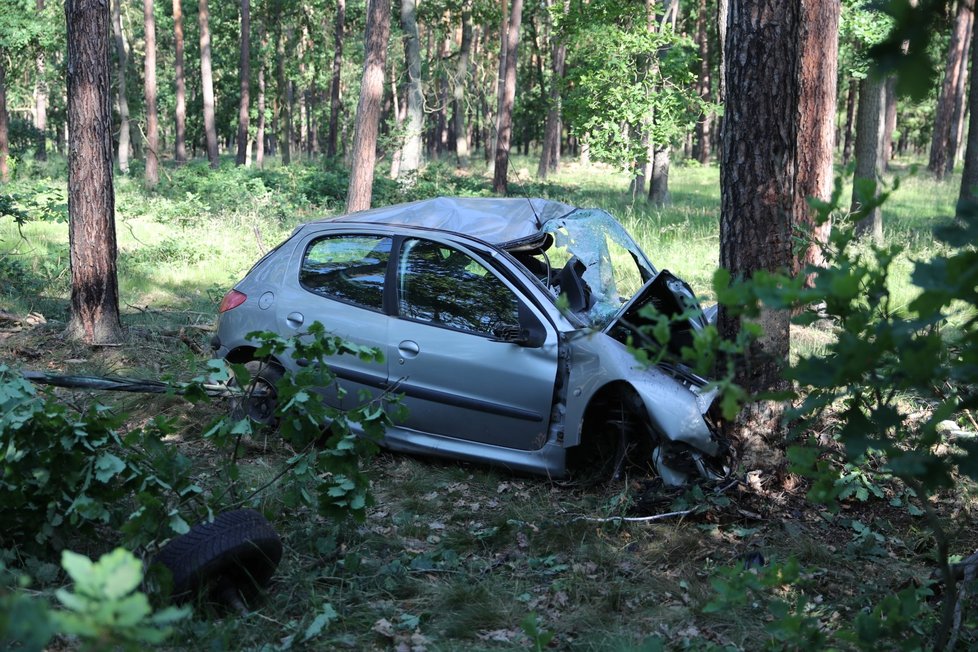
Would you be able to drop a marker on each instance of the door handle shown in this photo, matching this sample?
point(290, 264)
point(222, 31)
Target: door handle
point(295, 319)
point(409, 348)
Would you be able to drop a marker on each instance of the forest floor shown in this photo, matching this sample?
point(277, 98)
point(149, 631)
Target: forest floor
point(456, 556)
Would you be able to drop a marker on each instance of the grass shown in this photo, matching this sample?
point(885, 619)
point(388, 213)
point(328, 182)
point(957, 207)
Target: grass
point(456, 557)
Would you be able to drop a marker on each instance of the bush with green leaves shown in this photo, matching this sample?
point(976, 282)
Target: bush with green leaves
point(104, 611)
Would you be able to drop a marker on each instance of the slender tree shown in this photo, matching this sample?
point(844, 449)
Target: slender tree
point(411, 149)
point(818, 65)
point(334, 86)
point(91, 200)
point(244, 73)
point(941, 147)
point(152, 175)
point(850, 121)
point(968, 196)
point(368, 109)
point(4, 124)
point(869, 153)
point(461, 80)
point(180, 110)
point(704, 134)
point(207, 82)
point(501, 168)
point(260, 126)
point(960, 102)
point(550, 151)
point(40, 97)
point(757, 194)
point(123, 64)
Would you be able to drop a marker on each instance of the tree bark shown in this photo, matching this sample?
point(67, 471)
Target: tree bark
point(244, 74)
point(851, 97)
point(152, 172)
point(960, 101)
point(368, 108)
point(968, 196)
point(757, 191)
point(207, 83)
point(944, 114)
point(260, 127)
point(40, 98)
point(500, 87)
point(889, 120)
point(659, 179)
point(414, 128)
point(704, 146)
point(334, 86)
point(91, 199)
point(123, 59)
point(501, 169)
point(180, 110)
point(4, 125)
point(550, 151)
point(461, 80)
point(816, 123)
point(284, 93)
point(869, 152)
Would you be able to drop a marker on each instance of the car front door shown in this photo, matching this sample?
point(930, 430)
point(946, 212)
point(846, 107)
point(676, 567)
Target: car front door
point(340, 283)
point(456, 378)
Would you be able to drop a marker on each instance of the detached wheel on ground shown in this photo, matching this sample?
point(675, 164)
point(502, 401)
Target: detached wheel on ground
point(261, 397)
point(228, 560)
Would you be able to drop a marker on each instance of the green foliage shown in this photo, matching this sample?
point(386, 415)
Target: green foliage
point(25, 621)
point(539, 638)
point(333, 469)
point(105, 609)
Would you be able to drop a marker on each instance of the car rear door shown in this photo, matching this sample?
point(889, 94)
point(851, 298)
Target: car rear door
point(456, 381)
point(339, 280)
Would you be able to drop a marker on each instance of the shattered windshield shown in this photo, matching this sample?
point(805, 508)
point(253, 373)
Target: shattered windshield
point(592, 246)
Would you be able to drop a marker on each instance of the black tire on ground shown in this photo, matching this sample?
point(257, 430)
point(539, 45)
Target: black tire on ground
point(259, 404)
point(617, 439)
point(239, 549)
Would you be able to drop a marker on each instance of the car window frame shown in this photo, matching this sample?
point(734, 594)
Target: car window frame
point(312, 238)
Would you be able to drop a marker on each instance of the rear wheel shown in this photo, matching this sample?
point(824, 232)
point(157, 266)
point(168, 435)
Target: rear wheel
point(261, 396)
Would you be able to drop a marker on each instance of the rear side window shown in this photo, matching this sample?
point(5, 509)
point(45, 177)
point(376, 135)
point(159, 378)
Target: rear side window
point(348, 268)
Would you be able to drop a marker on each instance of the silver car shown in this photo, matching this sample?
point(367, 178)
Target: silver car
point(504, 325)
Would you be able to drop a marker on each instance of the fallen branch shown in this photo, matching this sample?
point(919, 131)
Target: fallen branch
point(634, 519)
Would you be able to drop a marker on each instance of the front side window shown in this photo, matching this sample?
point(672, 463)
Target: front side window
point(449, 288)
point(348, 268)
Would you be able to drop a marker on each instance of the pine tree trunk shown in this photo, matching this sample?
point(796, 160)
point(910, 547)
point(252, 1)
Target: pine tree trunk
point(960, 101)
point(152, 172)
point(944, 114)
point(369, 106)
point(334, 86)
point(91, 199)
point(493, 139)
point(816, 123)
point(123, 60)
point(889, 120)
point(851, 97)
point(207, 83)
point(501, 168)
point(244, 76)
point(40, 98)
point(260, 126)
point(757, 194)
point(550, 151)
point(4, 125)
point(869, 152)
point(284, 126)
point(659, 179)
point(461, 79)
point(180, 111)
point(410, 160)
point(704, 147)
point(968, 196)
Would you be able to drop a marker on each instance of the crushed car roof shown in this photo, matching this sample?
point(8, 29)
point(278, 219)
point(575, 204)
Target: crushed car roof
point(494, 220)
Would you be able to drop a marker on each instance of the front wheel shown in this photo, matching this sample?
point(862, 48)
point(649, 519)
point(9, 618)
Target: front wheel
point(261, 396)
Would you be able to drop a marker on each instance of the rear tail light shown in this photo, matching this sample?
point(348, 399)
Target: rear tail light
point(231, 300)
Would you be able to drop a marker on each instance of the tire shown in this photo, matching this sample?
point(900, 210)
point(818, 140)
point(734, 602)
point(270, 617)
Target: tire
point(617, 439)
point(238, 550)
point(261, 399)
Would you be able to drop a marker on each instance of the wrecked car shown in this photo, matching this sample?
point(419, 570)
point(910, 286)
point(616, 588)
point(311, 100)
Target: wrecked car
point(504, 325)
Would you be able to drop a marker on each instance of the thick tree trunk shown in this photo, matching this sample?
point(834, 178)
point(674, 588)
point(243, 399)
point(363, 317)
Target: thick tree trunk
point(91, 200)
point(244, 76)
point(4, 125)
point(207, 83)
point(850, 125)
point(40, 98)
point(152, 172)
point(368, 108)
point(123, 59)
point(757, 194)
point(501, 169)
point(944, 114)
point(816, 122)
point(869, 152)
point(968, 196)
point(659, 179)
point(889, 120)
point(334, 86)
point(493, 140)
point(414, 128)
point(180, 111)
point(461, 80)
